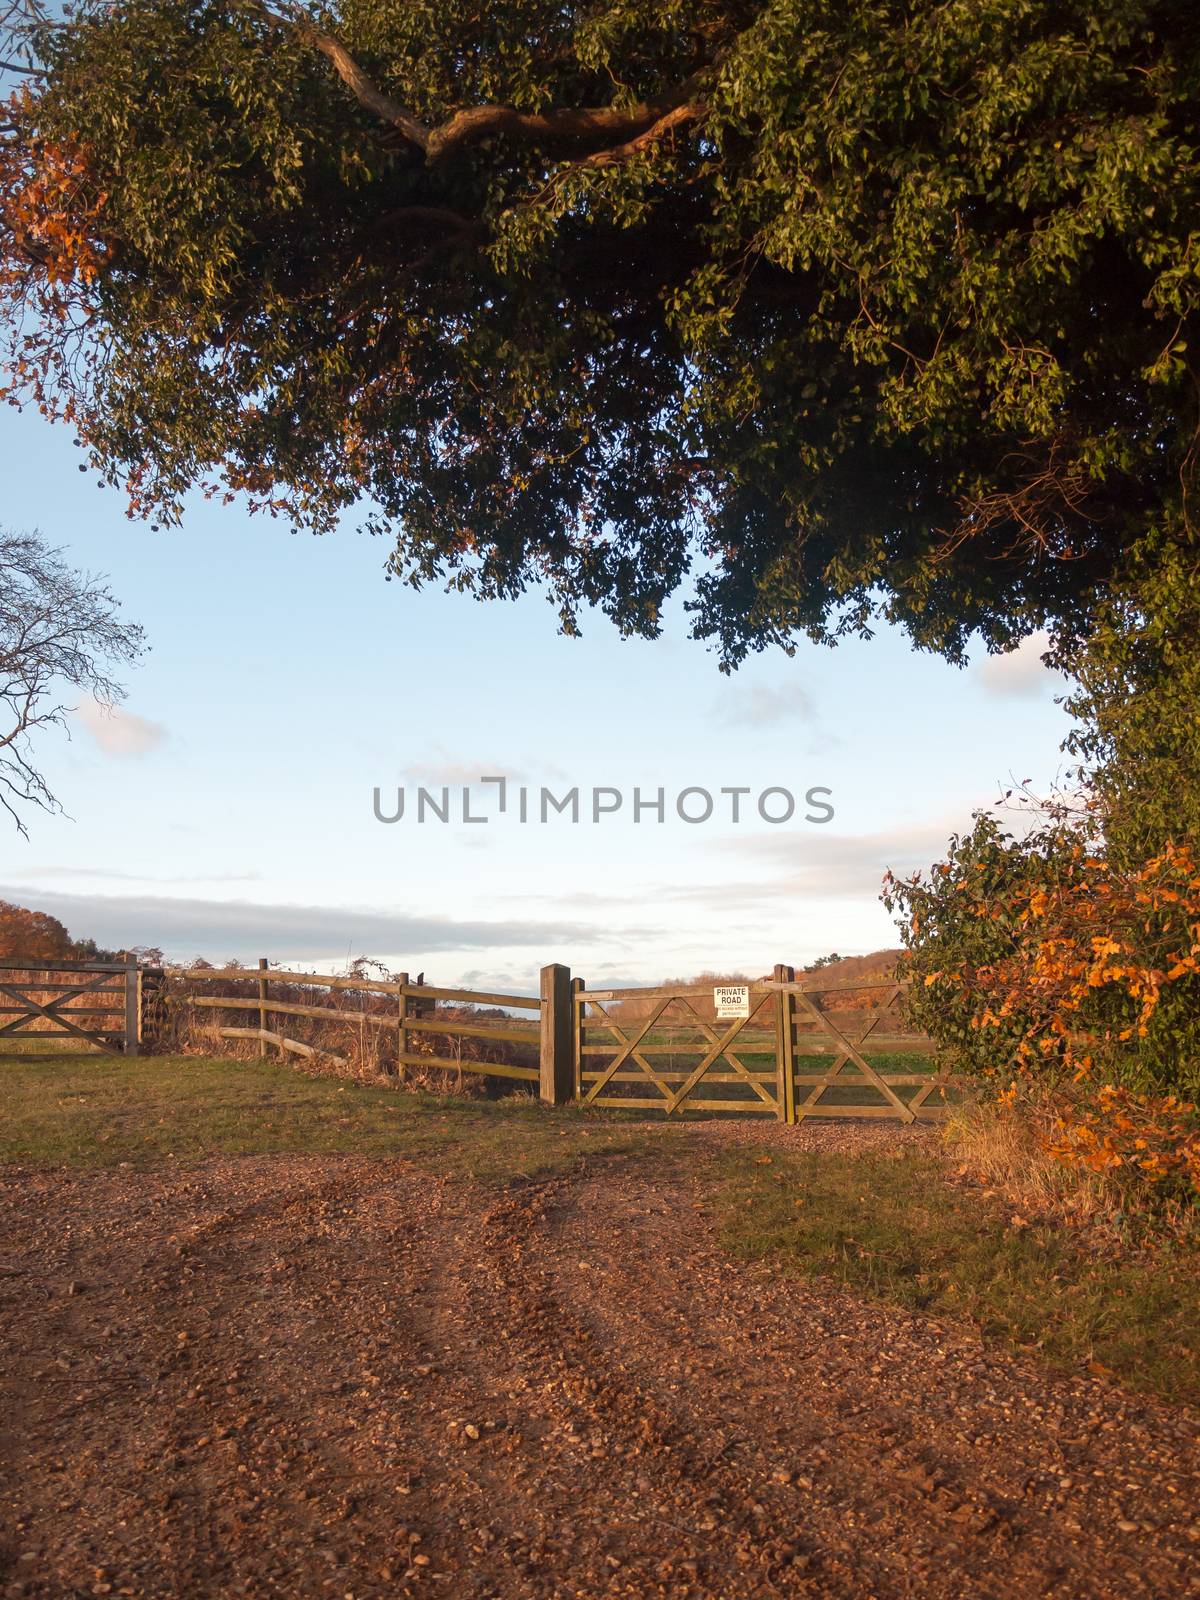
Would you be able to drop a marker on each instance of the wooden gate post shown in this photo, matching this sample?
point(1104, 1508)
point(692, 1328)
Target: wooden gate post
point(133, 1005)
point(577, 1036)
point(262, 1007)
point(557, 1069)
point(785, 1064)
point(401, 1025)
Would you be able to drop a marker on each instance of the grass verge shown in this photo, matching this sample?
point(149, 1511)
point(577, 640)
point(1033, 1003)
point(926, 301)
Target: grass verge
point(64, 1109)
point(897, 1227)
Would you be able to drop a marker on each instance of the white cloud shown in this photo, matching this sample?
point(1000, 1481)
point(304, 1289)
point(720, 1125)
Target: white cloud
point(818, 864)
point(117, 732)
point(441, 772)
point(764, 707)
point(39, 873)
point(439, 769)
point(1019, 673)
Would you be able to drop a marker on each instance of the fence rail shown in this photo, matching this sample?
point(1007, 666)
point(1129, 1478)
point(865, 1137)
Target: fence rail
point(804, 1047)
point(394, 1009)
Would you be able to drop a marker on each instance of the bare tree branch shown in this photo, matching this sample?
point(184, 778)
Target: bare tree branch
point(361, 87)
point(623, 152)
point(19, 20)
point(616, 131)
point(57, 628)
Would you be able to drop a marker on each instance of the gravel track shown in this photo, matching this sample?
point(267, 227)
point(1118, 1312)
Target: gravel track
point(337, 1376)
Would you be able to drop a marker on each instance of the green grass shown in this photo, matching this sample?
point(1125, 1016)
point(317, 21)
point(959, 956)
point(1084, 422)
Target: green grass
point(64, 1109)
point(896, 1227)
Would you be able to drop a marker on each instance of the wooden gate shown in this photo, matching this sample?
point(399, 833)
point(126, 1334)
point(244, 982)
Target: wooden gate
point(662, 1050)
point(881, 1068)
point(95, 1001)
point(659, 1042)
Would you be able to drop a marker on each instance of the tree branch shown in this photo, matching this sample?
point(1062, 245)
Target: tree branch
point(689, 112)
point(616, 131)
point(361, 87)
point(619, 133)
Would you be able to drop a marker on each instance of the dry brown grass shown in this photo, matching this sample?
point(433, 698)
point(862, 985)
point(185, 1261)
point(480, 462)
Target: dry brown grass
point(1005, 1149)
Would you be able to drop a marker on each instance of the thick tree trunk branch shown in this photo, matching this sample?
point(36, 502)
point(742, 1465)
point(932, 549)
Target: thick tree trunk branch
point(690, 111)
point(612, 129)
point(361, 87)
point(616, 132)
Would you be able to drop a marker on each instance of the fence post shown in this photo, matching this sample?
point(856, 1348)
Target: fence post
point(262, 1007)
point(133, 1019)
point(557, 1070)
point(785, 1063)
point(401, 1029)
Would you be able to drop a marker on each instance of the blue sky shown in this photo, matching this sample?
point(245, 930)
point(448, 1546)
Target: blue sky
point(228, 811)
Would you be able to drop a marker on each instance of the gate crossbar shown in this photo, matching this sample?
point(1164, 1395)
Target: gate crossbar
point(739, 1066)
point(719, 1048)
point(850, 1052)
point(632, 1052)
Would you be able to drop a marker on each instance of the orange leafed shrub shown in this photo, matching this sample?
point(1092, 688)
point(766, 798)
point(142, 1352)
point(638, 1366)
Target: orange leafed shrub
point(1148, 1136)
point(1098, 956)
point(51, 255)
point(1041, 963)
point(48, 198)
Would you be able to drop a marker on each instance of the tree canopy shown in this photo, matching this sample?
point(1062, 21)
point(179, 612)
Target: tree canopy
point(832, 311)
point(33, 935)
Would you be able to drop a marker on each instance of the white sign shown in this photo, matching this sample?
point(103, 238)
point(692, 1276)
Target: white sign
point(731, 1000)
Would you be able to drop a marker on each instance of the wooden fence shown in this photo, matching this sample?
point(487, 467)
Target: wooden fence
point(805, 1048)
point(406, 1012)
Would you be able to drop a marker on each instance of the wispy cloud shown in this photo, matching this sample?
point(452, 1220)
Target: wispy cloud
point(446, 770)
point(827, 866)
point(1019, 673)
point(44, 873)
point(761, 706)
point(118, 732)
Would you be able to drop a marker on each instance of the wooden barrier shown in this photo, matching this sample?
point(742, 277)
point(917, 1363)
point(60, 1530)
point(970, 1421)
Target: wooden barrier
point(804, 1048)
point(108, 988)
point(416, 1015)
point(657, 1039)
point(590, 1050)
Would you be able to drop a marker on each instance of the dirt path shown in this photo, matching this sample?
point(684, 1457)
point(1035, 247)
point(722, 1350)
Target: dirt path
point(325, 1376)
